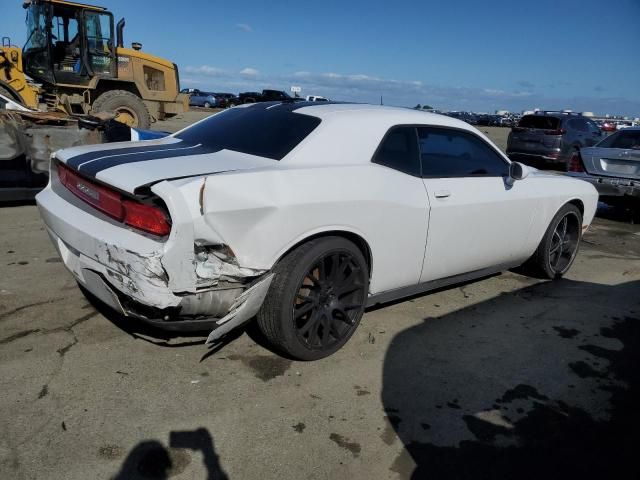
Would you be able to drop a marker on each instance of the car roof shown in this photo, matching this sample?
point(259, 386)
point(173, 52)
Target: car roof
point(382, 114)
point(357, 129)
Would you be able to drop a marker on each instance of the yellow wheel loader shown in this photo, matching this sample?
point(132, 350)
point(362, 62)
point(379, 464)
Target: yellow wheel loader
point(74, 60)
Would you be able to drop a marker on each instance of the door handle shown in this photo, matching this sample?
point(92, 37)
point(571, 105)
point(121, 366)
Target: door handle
point(443, 194)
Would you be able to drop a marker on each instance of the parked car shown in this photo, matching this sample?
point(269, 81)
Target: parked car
point(316, 98)
point(203, 99)
point(303, 215)
point(548, 139)
point(608, 127)
point(224, 100)
point(613, 166)
point(266, 96)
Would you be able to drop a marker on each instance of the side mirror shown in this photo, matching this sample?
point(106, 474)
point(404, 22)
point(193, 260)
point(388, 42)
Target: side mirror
point(517, 171)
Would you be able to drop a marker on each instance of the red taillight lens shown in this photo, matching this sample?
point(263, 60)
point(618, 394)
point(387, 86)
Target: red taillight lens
point(105, 200)
point(575, 164)
point(555, 132)
point(146, 217)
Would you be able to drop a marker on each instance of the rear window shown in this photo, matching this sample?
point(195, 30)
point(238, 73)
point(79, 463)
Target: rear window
point(269, 133)
point(623, 139)
point(539, 121)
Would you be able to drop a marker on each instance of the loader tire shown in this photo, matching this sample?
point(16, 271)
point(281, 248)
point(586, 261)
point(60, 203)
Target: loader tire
point(129, 108)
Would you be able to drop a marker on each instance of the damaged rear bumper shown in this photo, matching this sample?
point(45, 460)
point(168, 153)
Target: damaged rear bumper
point(174, 283)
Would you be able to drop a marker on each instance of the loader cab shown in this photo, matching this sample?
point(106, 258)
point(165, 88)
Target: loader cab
point(68, 43)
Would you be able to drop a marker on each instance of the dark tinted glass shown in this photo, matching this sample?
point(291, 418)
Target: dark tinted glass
point(539, 121)
point(267, 133)
point(622, 139)
point(452, 153)
point(399, 150)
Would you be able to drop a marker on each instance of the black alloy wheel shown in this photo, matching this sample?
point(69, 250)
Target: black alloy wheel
point(564, 243)
point(316, 298)
point(329, 299)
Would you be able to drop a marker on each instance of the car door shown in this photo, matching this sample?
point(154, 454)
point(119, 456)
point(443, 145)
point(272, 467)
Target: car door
point(197, 99)
point(477, 221)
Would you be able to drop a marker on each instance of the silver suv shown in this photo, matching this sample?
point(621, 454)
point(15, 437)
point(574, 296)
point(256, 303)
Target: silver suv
point(548, 140)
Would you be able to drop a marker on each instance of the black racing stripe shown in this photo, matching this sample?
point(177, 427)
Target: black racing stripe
point(93, 168)
point(75, 162)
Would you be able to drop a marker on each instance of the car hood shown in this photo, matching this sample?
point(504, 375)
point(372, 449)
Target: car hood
point(130, 165)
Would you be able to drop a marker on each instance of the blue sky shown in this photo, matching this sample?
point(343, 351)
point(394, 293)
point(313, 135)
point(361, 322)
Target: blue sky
point(455, 55)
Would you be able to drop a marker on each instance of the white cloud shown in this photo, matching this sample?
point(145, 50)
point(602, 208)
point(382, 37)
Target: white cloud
point(206, 70)
point(244, 27)
point(368, 88)
point(252, 72)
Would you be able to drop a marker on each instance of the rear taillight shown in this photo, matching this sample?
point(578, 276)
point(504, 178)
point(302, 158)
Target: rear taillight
point(575, 164)
point(148, 218)
point(105, 200)
point(559, 131)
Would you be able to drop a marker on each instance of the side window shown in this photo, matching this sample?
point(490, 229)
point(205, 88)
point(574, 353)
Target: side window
point(578, 124)
point(453, 153)
point(399, 150)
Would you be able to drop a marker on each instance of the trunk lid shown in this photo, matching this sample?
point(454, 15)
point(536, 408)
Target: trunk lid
point(130, 165)
point(612, 162)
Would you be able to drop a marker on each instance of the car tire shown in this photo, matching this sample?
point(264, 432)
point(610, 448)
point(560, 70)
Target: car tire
point(125, 104)
point(559, 246)
point(316, 299)
point(207, 105)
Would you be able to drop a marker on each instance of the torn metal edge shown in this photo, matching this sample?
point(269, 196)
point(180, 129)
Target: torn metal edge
point(244, 308)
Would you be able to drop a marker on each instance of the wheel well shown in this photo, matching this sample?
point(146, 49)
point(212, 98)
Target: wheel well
point(579, 204)
point(108, 85)
point(359, 242)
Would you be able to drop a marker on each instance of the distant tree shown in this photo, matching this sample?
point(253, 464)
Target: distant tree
point(418, 107)
point(427, 107)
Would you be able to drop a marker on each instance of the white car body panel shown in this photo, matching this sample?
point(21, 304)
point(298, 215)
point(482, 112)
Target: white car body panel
point(235, 215)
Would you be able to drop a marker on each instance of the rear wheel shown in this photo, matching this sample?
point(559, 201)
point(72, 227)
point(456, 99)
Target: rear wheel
point(207, 105)
point(559, 246)
point(316, 299)
point(129, 108)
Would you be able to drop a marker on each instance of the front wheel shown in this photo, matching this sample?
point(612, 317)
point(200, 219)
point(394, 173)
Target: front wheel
point(317, 298)
point(559, 246)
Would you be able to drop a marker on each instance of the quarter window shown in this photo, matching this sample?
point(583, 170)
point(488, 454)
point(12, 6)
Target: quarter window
point(453, 153)
point(399, 150)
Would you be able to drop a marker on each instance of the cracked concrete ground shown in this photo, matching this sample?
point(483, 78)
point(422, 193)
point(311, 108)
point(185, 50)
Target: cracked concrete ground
point(508, 377)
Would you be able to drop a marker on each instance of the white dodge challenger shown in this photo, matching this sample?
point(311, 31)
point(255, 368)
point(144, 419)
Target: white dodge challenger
point(301, 215)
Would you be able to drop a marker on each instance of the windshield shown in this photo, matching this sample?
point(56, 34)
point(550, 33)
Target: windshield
point(629, 139)
point(253, 130)
point(539, 121)
point(36, 28)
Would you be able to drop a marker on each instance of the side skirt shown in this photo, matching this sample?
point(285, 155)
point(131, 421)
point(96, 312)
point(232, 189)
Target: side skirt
point(391, 295)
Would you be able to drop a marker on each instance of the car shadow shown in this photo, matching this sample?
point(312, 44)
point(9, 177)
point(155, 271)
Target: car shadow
point(150, 459)
point(541, 382)
point(619, 213)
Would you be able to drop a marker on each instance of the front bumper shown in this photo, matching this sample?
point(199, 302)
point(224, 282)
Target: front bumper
point(610, 186)
point(136, 275)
